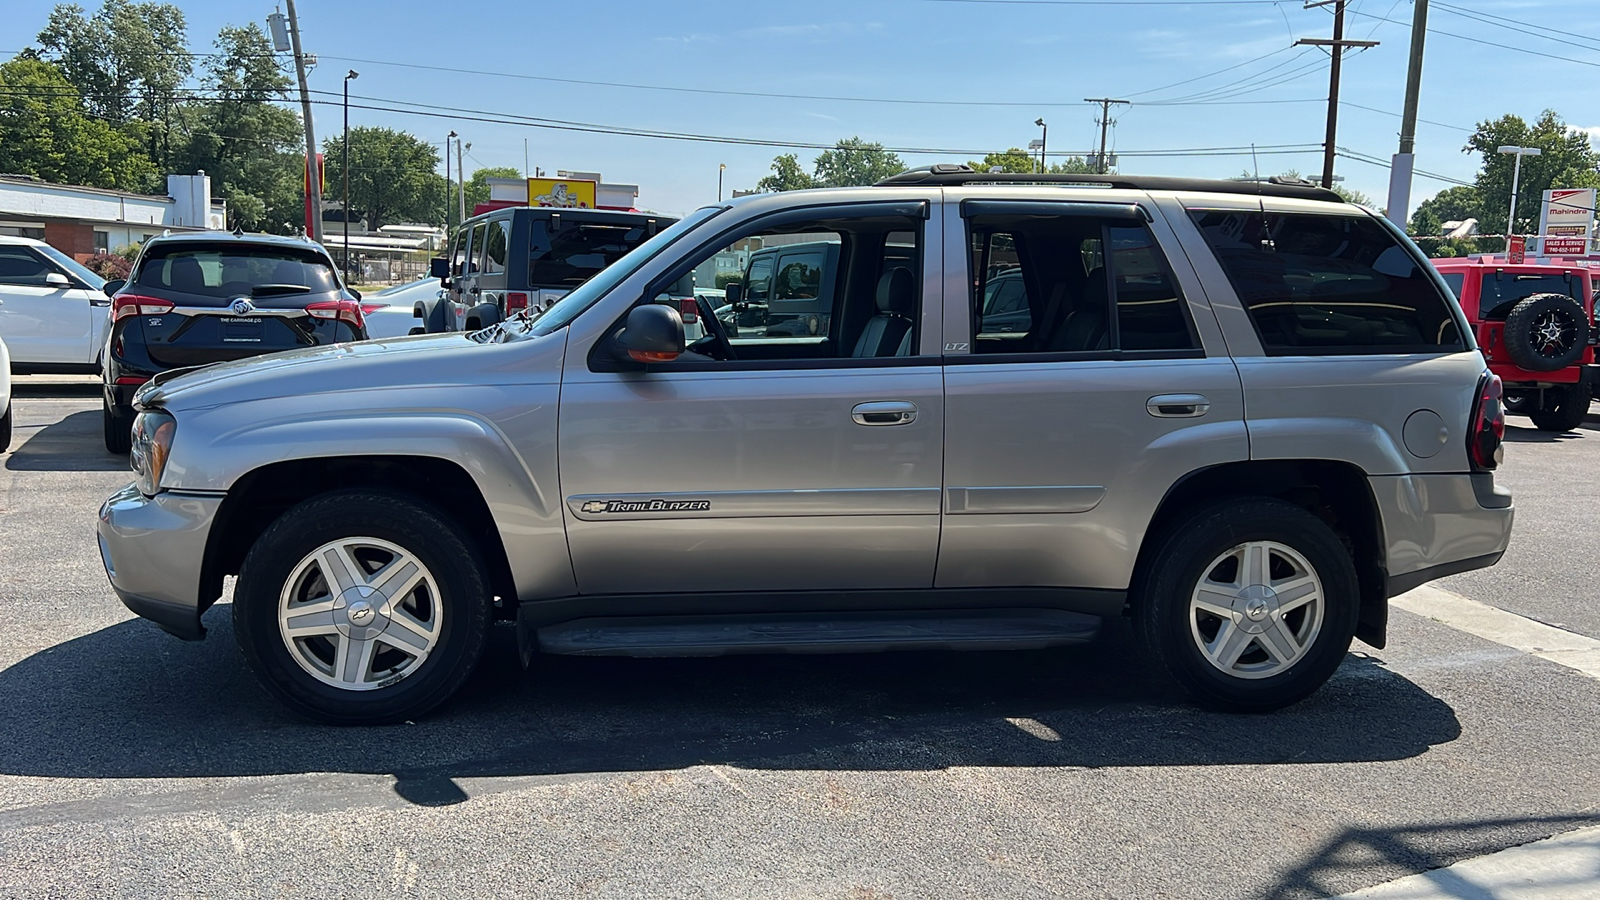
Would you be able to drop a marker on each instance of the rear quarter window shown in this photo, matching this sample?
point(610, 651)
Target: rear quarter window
point(1329, 284)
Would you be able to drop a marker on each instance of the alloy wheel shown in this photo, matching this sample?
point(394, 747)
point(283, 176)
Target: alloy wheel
point(1256, 610)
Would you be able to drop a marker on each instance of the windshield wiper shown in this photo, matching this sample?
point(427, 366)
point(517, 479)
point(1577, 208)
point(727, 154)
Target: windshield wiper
point(266, 290)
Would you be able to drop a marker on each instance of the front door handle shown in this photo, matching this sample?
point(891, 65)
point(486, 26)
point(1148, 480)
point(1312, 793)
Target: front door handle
point(1178, 406)
point(884, 412)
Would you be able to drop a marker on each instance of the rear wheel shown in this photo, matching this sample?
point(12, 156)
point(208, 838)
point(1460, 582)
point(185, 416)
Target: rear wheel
point(118, 428)
point(360, 608)
point(1563, 408)
point(1250, 604)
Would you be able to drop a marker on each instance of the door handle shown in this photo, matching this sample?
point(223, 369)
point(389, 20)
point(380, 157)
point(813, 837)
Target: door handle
point(1178, 406)
point(884, 412)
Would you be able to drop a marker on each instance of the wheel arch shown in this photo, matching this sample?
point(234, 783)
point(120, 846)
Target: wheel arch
point(263, 494)
point(1336, 492)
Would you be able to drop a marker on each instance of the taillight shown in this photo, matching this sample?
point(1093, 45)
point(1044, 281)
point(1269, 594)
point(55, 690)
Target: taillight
point(516, 300)
point(135, 305)
point(348, 311)
point(688, 311)
point(1487, 429)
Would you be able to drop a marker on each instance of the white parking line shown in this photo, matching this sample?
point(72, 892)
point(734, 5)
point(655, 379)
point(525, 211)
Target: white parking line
point(1557, 868)
point(1575, 651)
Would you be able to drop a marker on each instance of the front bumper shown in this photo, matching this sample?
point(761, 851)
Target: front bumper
point(1438, 525)
point(153, 549)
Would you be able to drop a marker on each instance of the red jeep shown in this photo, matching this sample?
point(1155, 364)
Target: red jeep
point(1535, 325)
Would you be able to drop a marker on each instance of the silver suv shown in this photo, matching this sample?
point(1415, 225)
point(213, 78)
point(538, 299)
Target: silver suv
point(1244, 416)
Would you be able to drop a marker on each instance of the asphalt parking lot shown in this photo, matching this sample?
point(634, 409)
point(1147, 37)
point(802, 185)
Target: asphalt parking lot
point(137, 765)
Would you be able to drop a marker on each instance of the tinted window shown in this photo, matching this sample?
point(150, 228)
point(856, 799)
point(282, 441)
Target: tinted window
point(1329, 284)
point(799, 277)
point(575, 252)
point(759, 279)
point(458, 252)
point(1457, 281)
point(494, 248)
point(475, 249)
point(233, 272)
point(18, 266)
point(1501, 288)
point(1044, 284)
point(73, 267)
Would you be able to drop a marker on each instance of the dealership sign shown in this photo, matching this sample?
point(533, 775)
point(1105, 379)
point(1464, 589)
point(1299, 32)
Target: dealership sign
point(562, 193)
point(1566, 221)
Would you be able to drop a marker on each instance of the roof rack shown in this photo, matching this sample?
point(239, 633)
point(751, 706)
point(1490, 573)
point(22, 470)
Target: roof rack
point(951, 174)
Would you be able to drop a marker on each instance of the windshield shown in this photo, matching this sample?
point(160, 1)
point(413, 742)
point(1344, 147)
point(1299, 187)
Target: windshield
point(95, 282)
point(587, 294)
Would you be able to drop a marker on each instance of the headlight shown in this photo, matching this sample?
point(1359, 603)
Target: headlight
point(153, 431)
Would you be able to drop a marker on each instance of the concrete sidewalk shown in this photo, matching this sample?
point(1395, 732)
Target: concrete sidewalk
point(1564, 867)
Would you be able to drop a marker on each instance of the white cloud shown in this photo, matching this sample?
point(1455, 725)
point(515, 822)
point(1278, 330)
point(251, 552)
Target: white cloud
point(1593, 131)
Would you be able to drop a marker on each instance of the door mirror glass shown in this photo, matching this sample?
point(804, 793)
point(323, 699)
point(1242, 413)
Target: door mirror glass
point(57, 280)
point(734, 292)
point(652, 333)
point(439, 267)
point(113, 286)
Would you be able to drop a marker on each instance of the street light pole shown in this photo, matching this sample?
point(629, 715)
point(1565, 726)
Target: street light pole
point(1516, 177)
point(721, 167)
point(1044, 139)
point(349, 77)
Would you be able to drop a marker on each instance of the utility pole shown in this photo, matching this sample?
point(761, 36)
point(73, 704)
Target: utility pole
point(1101, 160)
point(447, 203)
point(313, 171)
point(461, 180)
point(1400, 169)
point(1336, 51)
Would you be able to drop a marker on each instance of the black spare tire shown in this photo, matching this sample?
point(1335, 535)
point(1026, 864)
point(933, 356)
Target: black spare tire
point(1545, 332)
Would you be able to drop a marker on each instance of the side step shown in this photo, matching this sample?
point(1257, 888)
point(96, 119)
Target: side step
point(1000, 629)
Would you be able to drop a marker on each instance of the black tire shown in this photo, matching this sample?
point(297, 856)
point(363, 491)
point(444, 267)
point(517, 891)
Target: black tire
point(464, 605)
point(118, 428)
point(1186, 551)
point(5, 429)
point(1546, 332)
point(1563, 409)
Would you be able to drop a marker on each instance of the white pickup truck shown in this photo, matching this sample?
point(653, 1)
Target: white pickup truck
point(53, 311)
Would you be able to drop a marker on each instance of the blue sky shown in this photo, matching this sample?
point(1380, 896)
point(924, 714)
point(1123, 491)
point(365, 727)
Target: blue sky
point(994, 67)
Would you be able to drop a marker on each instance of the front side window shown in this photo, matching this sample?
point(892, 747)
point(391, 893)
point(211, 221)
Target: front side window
point(458, 253)
point(475, 249)
point(1046, 284)
point(494, 248)
point(73, 267)
point(1319, 284)
point(18, 266)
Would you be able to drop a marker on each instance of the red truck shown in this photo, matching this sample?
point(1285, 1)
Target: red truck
point(1535, 324)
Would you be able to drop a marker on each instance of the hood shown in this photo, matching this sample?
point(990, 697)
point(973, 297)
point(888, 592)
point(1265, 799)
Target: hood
point(432, 359)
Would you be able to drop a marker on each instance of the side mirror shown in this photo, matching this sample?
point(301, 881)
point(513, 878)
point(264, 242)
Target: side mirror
point(735, 292)
point(114, 285)
point(652, 333)
point(439, 267)
point(57, 280)
point(353, 292)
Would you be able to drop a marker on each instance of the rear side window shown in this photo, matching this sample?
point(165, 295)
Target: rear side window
point(574, 252)
point(494, 248)
point(234, 272)
point(1321, 285)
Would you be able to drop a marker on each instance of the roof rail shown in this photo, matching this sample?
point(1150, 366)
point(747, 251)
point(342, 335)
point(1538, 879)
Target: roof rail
point(952, 174)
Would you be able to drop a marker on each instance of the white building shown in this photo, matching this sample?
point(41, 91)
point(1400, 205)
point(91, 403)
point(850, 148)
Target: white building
point(81, 221)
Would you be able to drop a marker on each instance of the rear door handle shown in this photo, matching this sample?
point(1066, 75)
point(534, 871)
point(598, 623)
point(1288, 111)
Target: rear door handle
point(884, 412)
point(1178, 406)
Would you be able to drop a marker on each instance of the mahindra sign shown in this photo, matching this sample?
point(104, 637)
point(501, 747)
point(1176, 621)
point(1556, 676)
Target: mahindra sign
point(1566, 221)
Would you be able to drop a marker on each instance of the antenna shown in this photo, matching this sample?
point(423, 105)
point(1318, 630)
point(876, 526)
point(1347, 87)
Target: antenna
point(1267, 246)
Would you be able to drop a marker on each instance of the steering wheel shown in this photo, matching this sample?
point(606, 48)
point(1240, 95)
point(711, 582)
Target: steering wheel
point(714, 329)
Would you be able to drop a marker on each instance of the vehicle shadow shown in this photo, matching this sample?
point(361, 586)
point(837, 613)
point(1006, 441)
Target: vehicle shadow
point(55, 390)
point(1426, 847)
point(74, 444)
point(130, 702)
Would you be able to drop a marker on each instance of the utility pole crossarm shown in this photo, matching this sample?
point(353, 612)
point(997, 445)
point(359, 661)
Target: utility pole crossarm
point(1328, 42)
point(1101, 163)
point(1336, 46)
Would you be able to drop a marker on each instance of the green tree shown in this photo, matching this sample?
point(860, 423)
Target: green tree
point(127, 59)
point(45, 132)
point(1452, 205)
point(786, 176)
point(1072, 165)
point(854, 162)
point(478, 184)
point(1568, 160)
point(393, 176)
point(249, 147)
point(1013, 160)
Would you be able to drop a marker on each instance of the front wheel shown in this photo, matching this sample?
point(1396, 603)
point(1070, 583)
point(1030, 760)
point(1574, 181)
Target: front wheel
point(361, 608)
point(1249, 604)
point(5, 429)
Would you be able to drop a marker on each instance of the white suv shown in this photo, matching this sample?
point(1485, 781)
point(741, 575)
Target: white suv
point(53, 313)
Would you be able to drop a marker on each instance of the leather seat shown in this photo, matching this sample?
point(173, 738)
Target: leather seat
point(1087, 326)
point(186, 275)
point(889, 332)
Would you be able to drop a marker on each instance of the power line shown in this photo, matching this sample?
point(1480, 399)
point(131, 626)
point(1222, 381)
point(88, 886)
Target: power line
point(1497, 44)
point(1528, 28)
point(1247, 62)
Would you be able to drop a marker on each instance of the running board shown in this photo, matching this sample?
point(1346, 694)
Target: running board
point(1001, 629)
